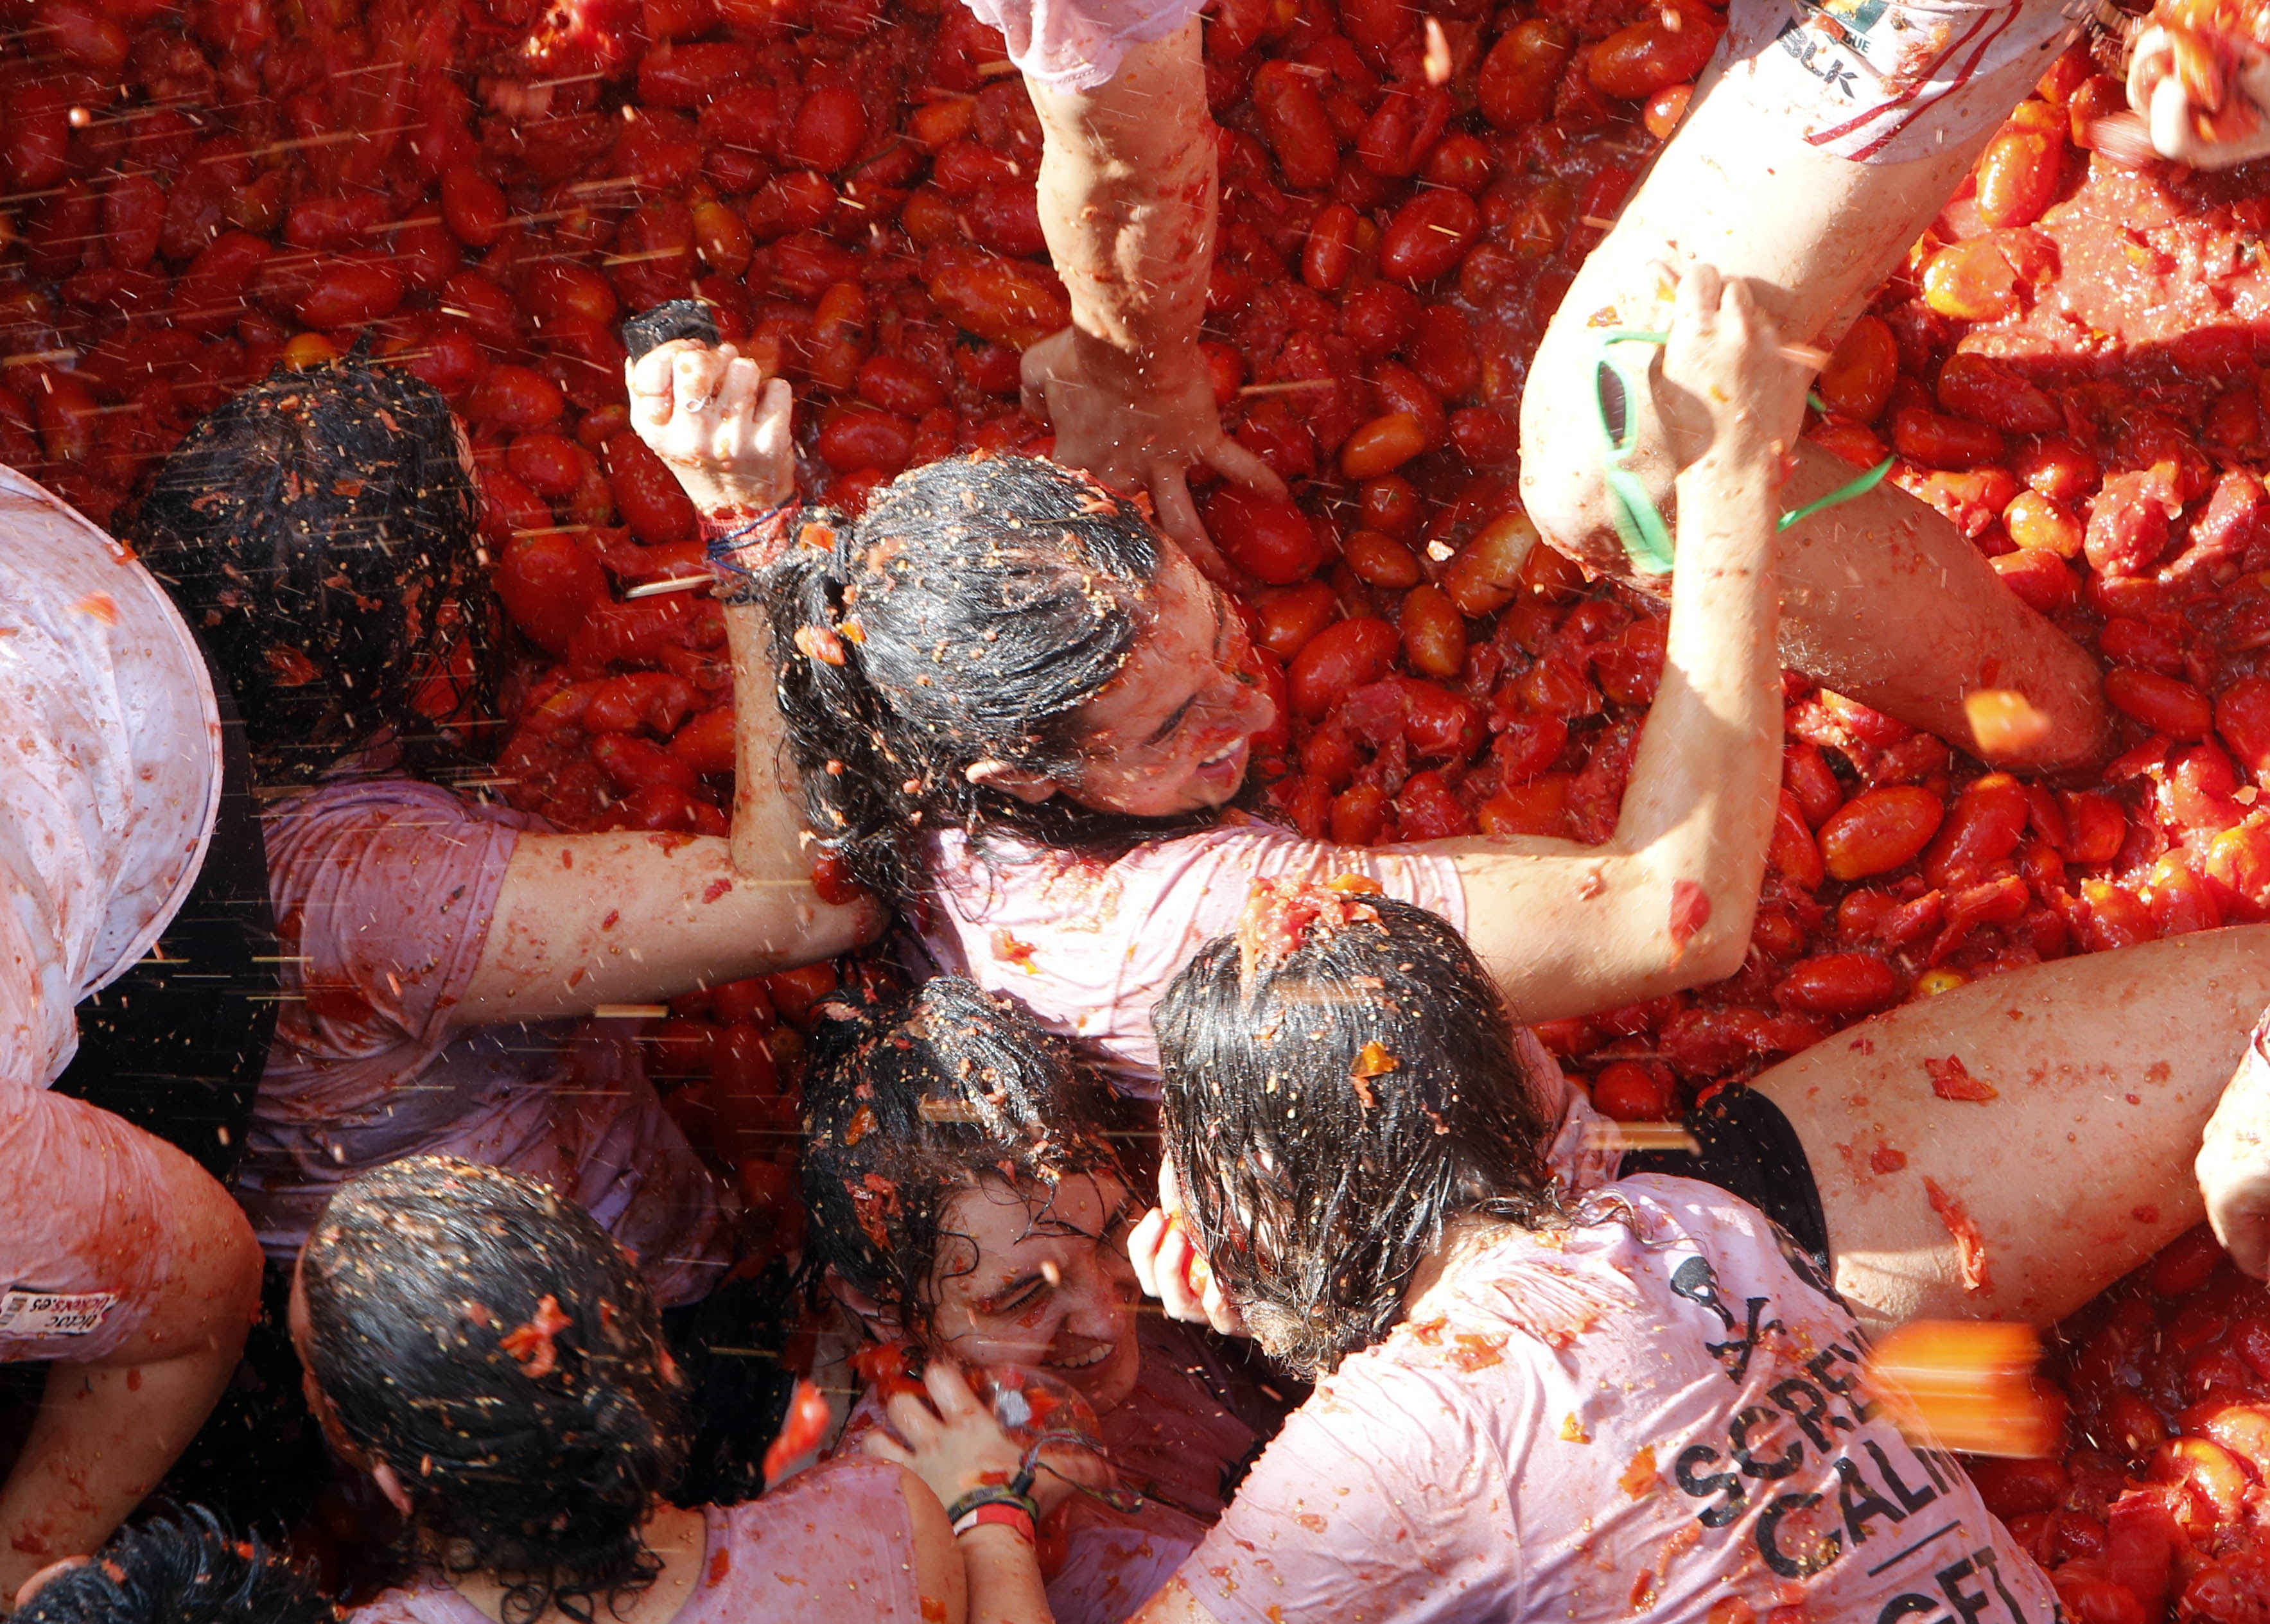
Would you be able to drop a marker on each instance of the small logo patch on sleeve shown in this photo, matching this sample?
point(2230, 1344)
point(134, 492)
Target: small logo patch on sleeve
point(25, 1312)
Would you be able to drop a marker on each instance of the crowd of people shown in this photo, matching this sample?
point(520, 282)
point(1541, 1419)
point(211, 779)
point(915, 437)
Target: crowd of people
point(1227, 1248)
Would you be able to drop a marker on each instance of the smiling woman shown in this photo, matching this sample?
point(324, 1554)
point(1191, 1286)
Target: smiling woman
point(1015, 703)
point(1174, 733)
point(969, 1202)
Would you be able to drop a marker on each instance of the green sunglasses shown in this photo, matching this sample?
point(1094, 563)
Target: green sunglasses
point(1639, 525)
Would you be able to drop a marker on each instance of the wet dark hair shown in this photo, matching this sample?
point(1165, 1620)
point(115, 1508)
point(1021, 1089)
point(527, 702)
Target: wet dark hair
point(1331, 1105)
point(319, 533)
point(909, 1103)
point(491, 1343)
point(974, 608)
point(188, 1569)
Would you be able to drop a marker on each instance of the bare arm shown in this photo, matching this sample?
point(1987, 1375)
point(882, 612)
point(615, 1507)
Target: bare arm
point(1175, 1604)
point(768, 837)
point(939, 1574)
point(1127, 203)
point(583, 920)
point(957, 1446)
point(723, 428)
point(1668, 901)
point(108, 1429)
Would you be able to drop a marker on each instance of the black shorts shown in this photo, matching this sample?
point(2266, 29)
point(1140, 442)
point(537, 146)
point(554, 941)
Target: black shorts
point(176, 1045)
point(1749, 1149)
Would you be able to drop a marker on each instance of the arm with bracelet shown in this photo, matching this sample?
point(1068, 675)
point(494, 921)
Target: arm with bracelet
point(723, 428)
point(1128, 196)
point(701, 909)
point(994, 1492)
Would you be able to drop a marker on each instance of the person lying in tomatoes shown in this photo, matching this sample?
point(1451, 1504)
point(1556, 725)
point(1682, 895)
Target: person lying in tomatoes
point(971, 1201)
point(1021, 715)
point(1073, 860)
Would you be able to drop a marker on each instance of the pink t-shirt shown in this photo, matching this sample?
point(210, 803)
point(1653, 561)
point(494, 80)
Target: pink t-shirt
point(1192, 1418)
point(384, 887)
point(829, 1544)
point(1090, 946)
point(1077, 44)
point(1651, 1413)
point(112, 748)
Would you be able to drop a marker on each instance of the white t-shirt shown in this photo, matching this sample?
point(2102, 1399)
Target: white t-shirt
point(109, 770)
point(1066, 45)
point(1655, 1412)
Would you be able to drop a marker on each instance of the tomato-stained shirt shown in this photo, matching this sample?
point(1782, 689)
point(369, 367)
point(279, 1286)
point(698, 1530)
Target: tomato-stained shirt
point(1659, 1411)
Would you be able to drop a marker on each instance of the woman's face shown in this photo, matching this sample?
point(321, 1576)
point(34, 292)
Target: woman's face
point(1172, 733)
point(1041, 1278)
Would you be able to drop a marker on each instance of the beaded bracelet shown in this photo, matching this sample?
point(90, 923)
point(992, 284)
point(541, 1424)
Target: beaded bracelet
point(996, 1504)
point(741, 579)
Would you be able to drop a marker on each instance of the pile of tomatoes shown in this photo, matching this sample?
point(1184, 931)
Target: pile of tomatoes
point(201, 191)
point(2152, 1509)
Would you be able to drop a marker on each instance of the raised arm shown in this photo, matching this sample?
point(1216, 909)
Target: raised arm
point(1667, 902)
point(584, 920)
point(1127, 203)
point(723, 428)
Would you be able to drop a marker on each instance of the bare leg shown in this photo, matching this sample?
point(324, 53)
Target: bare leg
point(1881, 598)
point(2106, 1067)
point(108, 1428)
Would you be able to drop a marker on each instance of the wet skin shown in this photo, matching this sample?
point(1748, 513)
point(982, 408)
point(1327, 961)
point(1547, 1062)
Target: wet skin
point(1026, 1279)
point(1170, 733)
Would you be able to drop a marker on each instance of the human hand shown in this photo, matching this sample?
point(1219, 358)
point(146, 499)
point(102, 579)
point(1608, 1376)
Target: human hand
point(1732, 390)
point(2159, 89)
point(717, 422)
point(1169, 1266)
point(1141, 433)
point(953, 1444)
point(2234, 1164)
